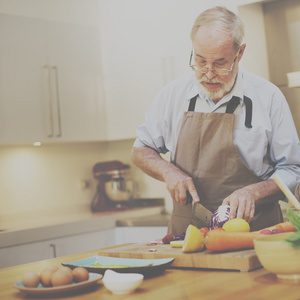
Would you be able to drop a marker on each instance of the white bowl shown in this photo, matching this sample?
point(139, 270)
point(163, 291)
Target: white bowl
point(122, 283)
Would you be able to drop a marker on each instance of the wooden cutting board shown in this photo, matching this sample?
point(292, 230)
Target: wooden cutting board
point(245, 260)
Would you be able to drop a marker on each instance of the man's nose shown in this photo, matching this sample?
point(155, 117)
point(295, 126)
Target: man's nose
point(210, 74)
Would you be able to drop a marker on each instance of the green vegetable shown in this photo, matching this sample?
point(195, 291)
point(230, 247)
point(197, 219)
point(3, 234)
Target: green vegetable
point(294, 217)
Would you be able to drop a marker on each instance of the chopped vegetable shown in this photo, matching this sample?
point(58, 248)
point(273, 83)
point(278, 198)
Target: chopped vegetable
point(99, 265)
point(168, 238)
point(275, 231)
point(171, 237)
point(220, 240)
point(220, 216)
point(266, 231)
point(204, 231)
point(283, 227)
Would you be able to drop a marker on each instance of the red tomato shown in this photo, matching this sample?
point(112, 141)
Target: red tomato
point(204, 231)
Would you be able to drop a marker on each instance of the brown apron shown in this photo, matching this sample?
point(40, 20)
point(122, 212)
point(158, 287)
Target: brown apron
point(206, 152)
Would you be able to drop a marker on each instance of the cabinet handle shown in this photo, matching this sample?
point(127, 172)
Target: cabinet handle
point(50, 133)
point(57, 101)
point(53, 249)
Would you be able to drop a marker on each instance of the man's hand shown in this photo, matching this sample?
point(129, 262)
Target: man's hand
point(178, 184)
point(242, 204)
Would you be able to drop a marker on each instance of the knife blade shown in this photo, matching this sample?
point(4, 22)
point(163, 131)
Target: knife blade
point(199, 211)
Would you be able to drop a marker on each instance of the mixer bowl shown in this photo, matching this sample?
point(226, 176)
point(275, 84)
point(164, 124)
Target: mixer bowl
point(119, 189)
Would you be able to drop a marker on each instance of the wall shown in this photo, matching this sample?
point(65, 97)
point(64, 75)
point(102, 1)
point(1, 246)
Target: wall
point(50, 176)
point(282, 21)
point(255, 58)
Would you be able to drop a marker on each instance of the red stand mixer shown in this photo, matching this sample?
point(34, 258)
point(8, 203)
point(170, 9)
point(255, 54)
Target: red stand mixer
point(114, 188)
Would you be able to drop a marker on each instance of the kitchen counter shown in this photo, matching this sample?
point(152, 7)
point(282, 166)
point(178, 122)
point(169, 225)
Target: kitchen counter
point(151, 220)
point(172, 284)
point(44, 225)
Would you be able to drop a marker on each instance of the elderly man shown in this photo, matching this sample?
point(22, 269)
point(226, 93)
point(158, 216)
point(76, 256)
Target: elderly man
point(228, 132)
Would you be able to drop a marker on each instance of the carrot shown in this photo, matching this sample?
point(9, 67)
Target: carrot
point(219, 240)
point(284, 227)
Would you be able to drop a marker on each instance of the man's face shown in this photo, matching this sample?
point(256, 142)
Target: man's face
point(213, 49)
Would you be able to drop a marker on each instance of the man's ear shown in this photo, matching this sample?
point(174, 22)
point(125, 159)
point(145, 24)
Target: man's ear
point(241, 53)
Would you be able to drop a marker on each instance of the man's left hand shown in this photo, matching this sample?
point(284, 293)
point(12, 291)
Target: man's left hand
point(242, 204)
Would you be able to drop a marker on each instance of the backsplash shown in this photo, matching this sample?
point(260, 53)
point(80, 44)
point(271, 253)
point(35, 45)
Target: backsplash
point(51, 176)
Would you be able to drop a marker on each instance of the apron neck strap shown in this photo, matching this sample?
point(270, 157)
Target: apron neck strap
point(231, 107)
point(192, 103)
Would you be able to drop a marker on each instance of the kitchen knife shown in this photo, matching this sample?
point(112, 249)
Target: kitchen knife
point(199, 211)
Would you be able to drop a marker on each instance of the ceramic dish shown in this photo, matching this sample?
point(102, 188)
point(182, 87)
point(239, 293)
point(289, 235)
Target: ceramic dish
point(122, 265)
point(41, 290)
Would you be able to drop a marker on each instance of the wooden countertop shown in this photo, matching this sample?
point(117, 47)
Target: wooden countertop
point(174, 284)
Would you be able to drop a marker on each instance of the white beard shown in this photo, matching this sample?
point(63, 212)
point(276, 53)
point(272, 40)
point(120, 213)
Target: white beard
point(225, 88)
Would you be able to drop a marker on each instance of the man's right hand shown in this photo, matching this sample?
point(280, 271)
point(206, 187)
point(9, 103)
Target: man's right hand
point(178, 183)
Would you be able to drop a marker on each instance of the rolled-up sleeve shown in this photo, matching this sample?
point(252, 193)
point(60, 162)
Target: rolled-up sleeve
point(151, 133)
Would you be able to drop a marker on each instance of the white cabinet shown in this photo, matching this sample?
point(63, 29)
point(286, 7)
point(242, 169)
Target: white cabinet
point(139, 234)
point(50, 80)
point(26, 253)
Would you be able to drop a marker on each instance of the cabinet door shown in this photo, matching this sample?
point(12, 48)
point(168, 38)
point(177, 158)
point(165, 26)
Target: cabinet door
point(22, 58)
point(132, 65)
point(77, 92)
point(22, 254)
point(26, 253)
point(83, 242)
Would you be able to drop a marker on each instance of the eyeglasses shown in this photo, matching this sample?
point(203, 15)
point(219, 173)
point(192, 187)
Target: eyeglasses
point(216, 70)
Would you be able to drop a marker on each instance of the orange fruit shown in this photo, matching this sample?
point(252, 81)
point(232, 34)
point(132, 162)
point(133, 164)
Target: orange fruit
point(194, 240)
point(236, 224)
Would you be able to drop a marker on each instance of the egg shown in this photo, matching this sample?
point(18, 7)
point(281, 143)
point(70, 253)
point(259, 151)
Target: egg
point(46, 275)
point(31, 279)
point(62, 277)
point(66, 269)
point(80, 274)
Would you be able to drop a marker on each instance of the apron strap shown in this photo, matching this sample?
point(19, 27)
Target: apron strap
point(231, 107)
point(233, 104)
point(248, 119)
point(192, 103)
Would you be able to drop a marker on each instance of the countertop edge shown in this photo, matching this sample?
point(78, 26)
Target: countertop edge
point(92, 222)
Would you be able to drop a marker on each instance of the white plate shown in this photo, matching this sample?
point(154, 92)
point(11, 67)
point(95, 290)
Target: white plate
point(41, 290)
